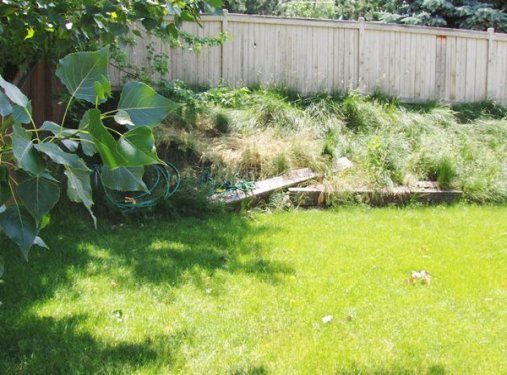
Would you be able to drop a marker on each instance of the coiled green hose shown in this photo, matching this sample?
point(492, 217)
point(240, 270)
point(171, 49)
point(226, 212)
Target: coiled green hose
point(166, 182)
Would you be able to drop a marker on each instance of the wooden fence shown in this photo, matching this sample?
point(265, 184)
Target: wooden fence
point(44, 90)
point(413, 63)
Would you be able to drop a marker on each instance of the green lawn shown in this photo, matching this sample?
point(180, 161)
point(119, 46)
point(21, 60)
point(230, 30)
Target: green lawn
point(247, 295)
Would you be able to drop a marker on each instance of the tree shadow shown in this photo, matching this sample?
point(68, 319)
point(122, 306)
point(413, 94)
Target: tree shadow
point(48, 346)
point(175, 252)
point(171, 253)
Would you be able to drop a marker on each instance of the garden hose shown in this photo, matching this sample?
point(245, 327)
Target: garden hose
point(165, 181)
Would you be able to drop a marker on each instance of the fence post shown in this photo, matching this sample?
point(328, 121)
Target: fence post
point(490, 93)
point(360, 56)
point(225, 25)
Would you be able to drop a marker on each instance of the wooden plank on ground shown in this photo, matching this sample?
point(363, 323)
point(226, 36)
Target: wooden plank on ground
point(424, 192)
point(265, 187)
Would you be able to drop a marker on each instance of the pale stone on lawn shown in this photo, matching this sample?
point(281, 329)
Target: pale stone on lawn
point(327, 319)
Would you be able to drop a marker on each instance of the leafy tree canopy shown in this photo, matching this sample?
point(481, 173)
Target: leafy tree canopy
point(266, 7)
point(50, 29)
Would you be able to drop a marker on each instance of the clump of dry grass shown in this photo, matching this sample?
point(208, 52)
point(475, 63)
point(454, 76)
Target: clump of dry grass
point(263, 153)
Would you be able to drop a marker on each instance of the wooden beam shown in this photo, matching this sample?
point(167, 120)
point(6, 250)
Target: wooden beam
point(266, 187)
point(319, 196)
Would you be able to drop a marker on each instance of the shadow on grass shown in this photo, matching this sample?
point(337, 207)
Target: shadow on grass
point(158, 253)
point(465, 113)
point(186, 249)
point(33, 345)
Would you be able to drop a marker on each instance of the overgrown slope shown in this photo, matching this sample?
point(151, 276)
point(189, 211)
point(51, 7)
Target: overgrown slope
point(258, 133)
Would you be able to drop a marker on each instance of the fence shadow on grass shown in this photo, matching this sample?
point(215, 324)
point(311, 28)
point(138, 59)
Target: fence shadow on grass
point(165, 252)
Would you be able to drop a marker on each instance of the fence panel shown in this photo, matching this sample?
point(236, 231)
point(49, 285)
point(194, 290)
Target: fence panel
point(413, 63)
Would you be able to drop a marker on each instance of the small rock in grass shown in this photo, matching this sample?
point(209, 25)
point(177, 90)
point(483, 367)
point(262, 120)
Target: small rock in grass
point(342, 164)
point(327, 319)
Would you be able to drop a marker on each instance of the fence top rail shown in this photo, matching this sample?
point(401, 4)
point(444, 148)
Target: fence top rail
point(314, 22)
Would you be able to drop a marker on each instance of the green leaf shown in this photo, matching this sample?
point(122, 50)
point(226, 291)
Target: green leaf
point(186, 16)
point(5, 105)
point(215, 3)
point(62, 133)
point(38, 194)
point(22, 115)
point(149, 23)
point(79, 189)
point(173, 30)
point(79, 71)
point(103, 89)
point(61, 157)
point(24, 152)
point(13, 93)
point(71, 145)
point(122, 117)
point(2, 266)
point(134, 149)
point(106, 85)
point(86, 140)
point(138, 147)
point(99, 90)
point(118, 29)
point(40, 242)
point(104, 141)
point(124, 178)
point(144, 106)
point(30, 32)
point(46, 219)
point(57, 130)
point(20, 227)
